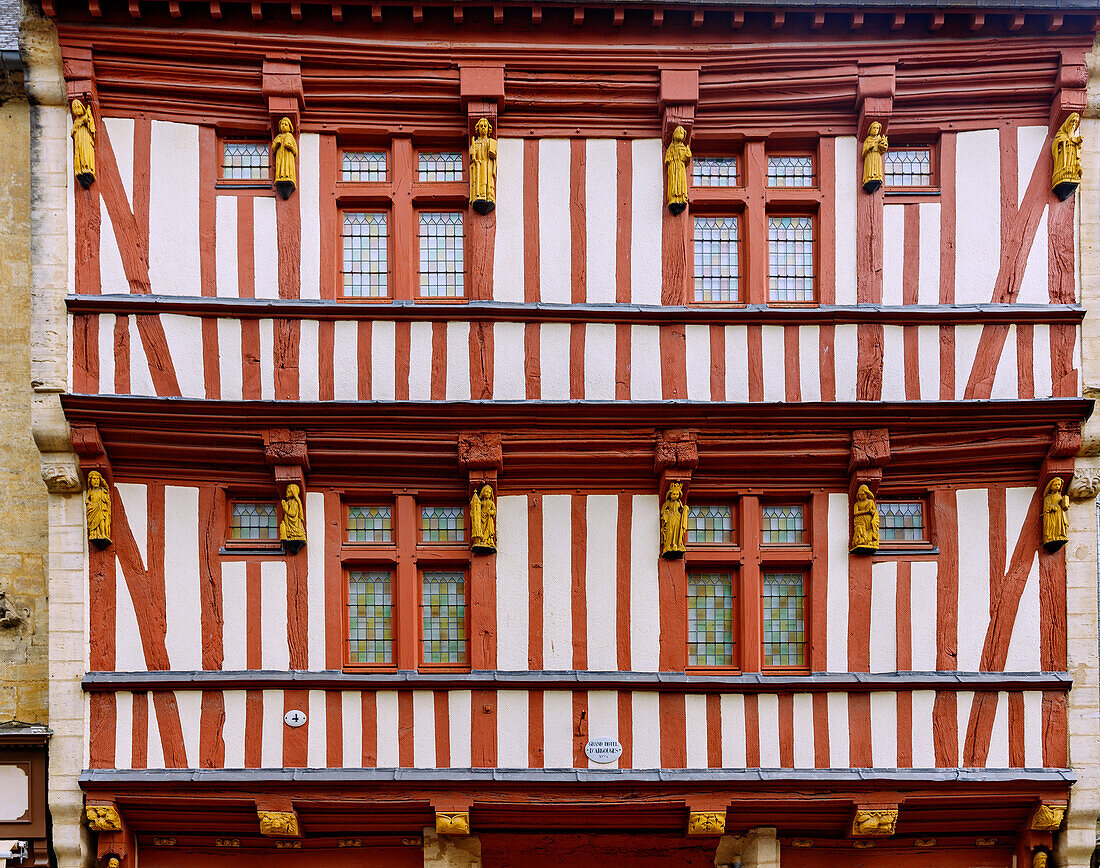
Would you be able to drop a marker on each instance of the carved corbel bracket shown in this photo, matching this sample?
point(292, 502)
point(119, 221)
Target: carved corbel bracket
point(482, 91)
point(482, 457)
point(1070, 88)
point(452, 816)
point(870, 452)
point(113, 839)
point(1048, 817)
point(875, 86)
point(1065, 443)
point(679, 97)
point(80, 77)
point(286, 450)
point(675, 456)
point(278, 819)
point(874, 821)
point(707, 817)
point(89, 448)
point(282, 88)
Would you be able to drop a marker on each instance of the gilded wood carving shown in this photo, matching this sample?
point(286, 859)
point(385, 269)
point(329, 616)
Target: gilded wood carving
point(1048, 818)
point(483, 168)
point(1055, 509)
point(103, 818)
point(286, 152)
point(676, 159)
point(83, 134)
point(874, 823)
point(673, 522)
point(874, 158)
point(483, 521)
point(865, 522)
point(452, 822)
point(279, 824)
point(292, 529)
point(1066, 150)
point(97, 504)
point(706, 823)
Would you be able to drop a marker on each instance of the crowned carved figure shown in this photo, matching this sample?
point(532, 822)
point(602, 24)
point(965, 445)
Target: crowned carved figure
point(83, 134)
point(286, 153)
point(292, 529)
point(874, 158)
point(676, 159)
point(97, 504)
point(483, 521)
point(1055, 507)
point(1066, 150)
point(865, 521)
point(483, 168)
point(673, 522)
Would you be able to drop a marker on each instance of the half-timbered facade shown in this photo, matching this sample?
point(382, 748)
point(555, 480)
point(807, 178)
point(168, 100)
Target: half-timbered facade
point(388, 694)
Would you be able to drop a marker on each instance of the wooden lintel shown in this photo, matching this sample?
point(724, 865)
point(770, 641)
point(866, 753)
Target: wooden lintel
point(1017, 22)
point(737, 19)
point(937, 21)
point(818, 21)
point(857, 21)
point(697, 18)
point(618, 16)
point(778, 19)
point(418, 14)
point(898, 21)
point(658, 17)
point(578, 16)
point(977, 21)
point(1055, 21)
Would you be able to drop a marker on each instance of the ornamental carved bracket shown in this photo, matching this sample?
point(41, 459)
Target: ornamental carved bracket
point(282, 88)
point(1048, 818)
point(103, 818)
point(481, 89)
point(1065, 443)
point(875, 88)
point(478, 452)
point(706, 823)
point(286, 450)
point(279, 824)
point(679, 97)
point(88, 446)
point(1070, 88)
point(874, 822)
point(453, 823)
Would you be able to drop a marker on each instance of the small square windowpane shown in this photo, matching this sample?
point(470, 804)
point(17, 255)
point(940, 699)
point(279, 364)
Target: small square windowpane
point(443, 609)
point(901, 520)
point(246, 161)
point(442, 264)
point(908, 167)
point(370, 524)
point(714, 171)
point(366, 255)
point(364, 166)
point(709, 524)
point(439, 166)
point(442, 524)
point(254, 521)
point(710, 619)
point(782, 525)
point(370, 616)
point(784, 619)
point(790, 259)
point(716, 259)
point(790, 172)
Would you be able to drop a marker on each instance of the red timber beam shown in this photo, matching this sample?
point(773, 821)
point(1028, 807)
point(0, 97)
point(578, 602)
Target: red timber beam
point(481, 89)
point(679, 96)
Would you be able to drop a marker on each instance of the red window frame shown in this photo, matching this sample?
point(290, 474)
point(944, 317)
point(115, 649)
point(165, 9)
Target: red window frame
point(243, 183)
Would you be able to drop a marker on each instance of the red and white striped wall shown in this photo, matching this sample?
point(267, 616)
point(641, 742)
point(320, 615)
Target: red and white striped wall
point(169, 354)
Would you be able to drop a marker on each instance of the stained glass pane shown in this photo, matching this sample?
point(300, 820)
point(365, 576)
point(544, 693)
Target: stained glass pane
point(370, 524)
point(901, 520)
point(714, 171)
point(716, 259)
point(441, 254)
point(909, 167)
point(710, 619)
point(709, 524)
point(443, 607)
point(790, 259)
point(254, 521)
point(246, 161)
point(790, 172)
point(439, 166)
point(784, 620)
point(782, 525)
point(370, 616)
point(442, 524)
point(364, 166)
point(366, 254)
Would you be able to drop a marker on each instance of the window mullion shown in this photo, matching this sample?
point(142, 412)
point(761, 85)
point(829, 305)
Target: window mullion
point(755, 269)
point(405, 247)
point(750, 590)
point(406, 605)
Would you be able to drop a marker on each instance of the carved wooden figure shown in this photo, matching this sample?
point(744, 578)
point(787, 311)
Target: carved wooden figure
point(1055, 507)
point(483, 168)
point(286, 153)
point(483, 521)
point(874, 158)
point(676, 159)
point(292, 529)
point(83, 134)
point(1066, 150)
point(97, 504)
point(673, 522)
point(865, 521)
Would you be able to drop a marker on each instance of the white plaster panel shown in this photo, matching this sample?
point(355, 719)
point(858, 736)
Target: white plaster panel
point(154, 757)
point(600, 581)
point(124, 729)
point(646, 716)
point(112, 273)
point(922, 609)
point(838, 729)
point(271, 730)
point(737, 364)
point(267, 359)
point(768, 715)
point(189, 703)
point(973, 505)
point(893, 252)
point(1033, 729)
point(512, 729)
point(345, 355)
point(557, 729)
point(386, 715)
point(733, 731)
point(183, 635)
point(698, 361)
point(601, 218)
point(129, 652)
point(647, 200)
point(884, 593)
point(508, 282)
point(845, 342)
point(1006, 382)
point(1031, 141)
point(174, 209)
point(836, 631)
point(1035, 283)
point(603, 721)
point(997, 758)
point(234, 621)
point(1024, 645)
point(351, 726)
point(274, 646)
point(803, 718)
point(183, 335)
point(383, 354)
point(1043, 376)
point(555, 252)
point(315, 579)
point(458, 361)
point(695, 728)
point(141, 380)
point(423, 730)
point(774, 356)
point(121, 132)
point(316, 737)
point(893, 363)
point(645, 371)
point(978, 224)
point(309, 190)
point(846, 162)
point(509, 363)
point(809, 363)
point(964, 699)
point(460, 725)
point(265, 243)
point(230, 360)
point(884, 729)
point(928, 357)
point(557, 600)
point(554, 360)
point(599, 362)
point(309, 384)
point(225, 246)
point(134, 496)
point(928, 263)
point(924, 750)
point(966, 348)
point(645, 624)
point(420, 361)
point(513, 600)
point(106, 340)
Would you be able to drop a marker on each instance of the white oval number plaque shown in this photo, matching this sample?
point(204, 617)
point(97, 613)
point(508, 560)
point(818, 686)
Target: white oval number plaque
point(294, 718)
point(603, 750)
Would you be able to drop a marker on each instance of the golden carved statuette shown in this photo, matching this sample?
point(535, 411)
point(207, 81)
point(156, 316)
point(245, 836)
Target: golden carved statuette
point(483, 168)
point(1055, 510)
point(112, 862)
point(1048, 818)
point(674, 513)
point(227, 842)
point(676, 159)
point(802, 843)
point(1039, 859)
point(865, 539)
point(97, 504)
point(1066, 150)
point(925, 843)
point(279, 824)
point(985, 842)
point(292, 529)
point(863, 845)
point(164, 842)
point(877, 823)
point(286, 152)
point(452, 822)
point(83, 134)
point(483, 521)
point(351, 842)
point(874, 158)
point(103, 818)
point(288, 845)
point(707, 823)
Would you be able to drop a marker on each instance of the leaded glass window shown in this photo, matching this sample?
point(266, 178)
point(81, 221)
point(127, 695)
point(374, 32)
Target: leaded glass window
point(441, 254)
point(443, 607)
point(254, 521)
point(709, 524)
point(370, 524)
point(246, 161)
point(366, 255)
point(784, 619)
point(908, 167)
point(710, 619)
point(439, 166)
point(370, 616)
point(901, 520)
point(442, 524)
point(714, 171)
point(790, 171)
point(790, 259)
point(364, 166)
point(782, 525)
point(716, 258)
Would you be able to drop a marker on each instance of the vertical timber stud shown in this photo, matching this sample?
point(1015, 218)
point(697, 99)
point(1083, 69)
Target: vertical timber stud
point(679, 96)
point(675, 457)
point(870, 452)
point(481, 457)
point(482, 92)
point(282, 88)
